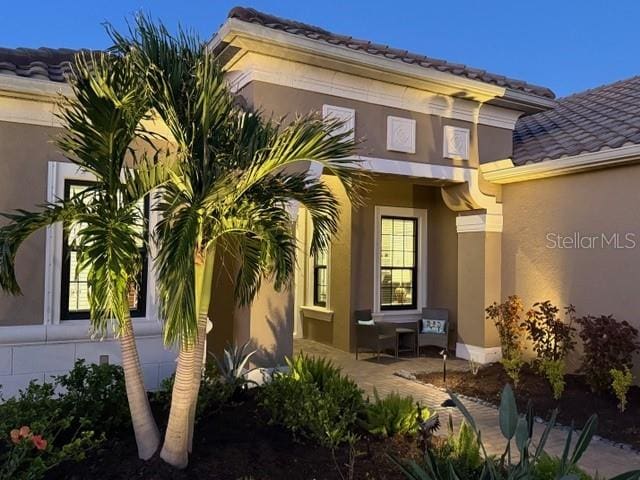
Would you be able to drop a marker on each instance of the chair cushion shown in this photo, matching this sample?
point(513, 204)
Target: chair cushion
point(437, 327)
point(366, 322)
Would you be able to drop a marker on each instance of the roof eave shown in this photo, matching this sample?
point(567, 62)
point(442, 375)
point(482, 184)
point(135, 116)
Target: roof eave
point(251, 36)
point(36, 89)
point(504, 171)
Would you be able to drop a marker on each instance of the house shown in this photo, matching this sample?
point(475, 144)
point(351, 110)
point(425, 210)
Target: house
point(482, 186)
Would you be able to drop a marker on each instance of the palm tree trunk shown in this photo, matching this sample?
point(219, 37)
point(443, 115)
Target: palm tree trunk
point(178, 438)
point(198, 360)
point(144, 425)
point(203, 315)
point(174, 450)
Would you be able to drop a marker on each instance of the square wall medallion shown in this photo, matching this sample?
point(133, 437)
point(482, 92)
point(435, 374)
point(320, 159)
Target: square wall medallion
point(347, 115)
point(456, 143)
point(401, 134)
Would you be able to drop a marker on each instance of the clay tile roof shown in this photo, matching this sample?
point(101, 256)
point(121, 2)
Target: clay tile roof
point(588, 121)
point(53, 64)
point(251, 15)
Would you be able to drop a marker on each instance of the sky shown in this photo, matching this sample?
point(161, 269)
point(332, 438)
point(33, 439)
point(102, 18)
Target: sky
point(566, 45)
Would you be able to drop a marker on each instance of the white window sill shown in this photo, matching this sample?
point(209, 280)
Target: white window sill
point(395, 313)
point(317, 313)
point(68, 330)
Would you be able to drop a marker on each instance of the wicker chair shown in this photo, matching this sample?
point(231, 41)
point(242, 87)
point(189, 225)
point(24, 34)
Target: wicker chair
point(434, 339)
point(374, 337)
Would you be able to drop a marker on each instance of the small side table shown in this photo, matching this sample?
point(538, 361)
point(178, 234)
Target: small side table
point(406, 340)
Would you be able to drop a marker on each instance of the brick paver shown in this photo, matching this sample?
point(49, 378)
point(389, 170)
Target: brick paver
point(606, 459)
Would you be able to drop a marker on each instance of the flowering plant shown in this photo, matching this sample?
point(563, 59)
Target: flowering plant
point(24, 433)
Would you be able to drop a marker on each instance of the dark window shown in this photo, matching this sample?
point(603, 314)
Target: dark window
point(74, 302)
point(398, 271)
point(320, 279)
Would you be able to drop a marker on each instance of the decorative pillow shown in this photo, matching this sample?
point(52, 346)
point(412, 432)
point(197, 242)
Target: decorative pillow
point(365, 322)
point(433, 326)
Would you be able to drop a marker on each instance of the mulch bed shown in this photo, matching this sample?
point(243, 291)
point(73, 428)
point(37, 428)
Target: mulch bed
point(577, 404)
point(237, 443)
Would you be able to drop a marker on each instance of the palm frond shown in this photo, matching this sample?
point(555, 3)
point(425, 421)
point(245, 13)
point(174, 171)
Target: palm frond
point(103, 117)
point(22, 224)
point(107, 246)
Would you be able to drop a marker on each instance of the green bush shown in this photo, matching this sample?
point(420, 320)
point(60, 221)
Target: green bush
point(553, 371)
point(314, 400)
point(462, 451)
point(512, 367)
point(38, 432)
point(96, 393)
point(393, 415)
point(214, 392)
point(547, 467)
point(621, 382)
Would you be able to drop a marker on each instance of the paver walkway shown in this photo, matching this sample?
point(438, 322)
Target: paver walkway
point(606, 459)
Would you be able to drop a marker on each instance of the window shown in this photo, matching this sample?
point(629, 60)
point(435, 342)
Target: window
point(398, 263)
point(320, 278)
point(74, 285)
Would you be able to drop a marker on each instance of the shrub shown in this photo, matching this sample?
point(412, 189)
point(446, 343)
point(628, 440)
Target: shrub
point(512, 367)
point(96, 393)
point(313, 400)
point(462, 451)
point(394, 415)
point(608, 344)
point(38, 432)
point(547, 467)
point(213, 394)
point(553, 371)
point(552, 338)
point(506, 317)
point(622, 381)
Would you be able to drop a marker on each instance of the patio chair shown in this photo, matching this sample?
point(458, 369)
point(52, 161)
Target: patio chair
point(373, 336)
point(433, 328)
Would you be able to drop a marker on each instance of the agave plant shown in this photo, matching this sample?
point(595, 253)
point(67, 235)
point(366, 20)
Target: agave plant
point(517, 429)
point(232, 368)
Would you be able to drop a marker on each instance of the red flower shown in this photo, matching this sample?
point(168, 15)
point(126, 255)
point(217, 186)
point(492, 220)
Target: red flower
point(15, 435)
point(39, 442)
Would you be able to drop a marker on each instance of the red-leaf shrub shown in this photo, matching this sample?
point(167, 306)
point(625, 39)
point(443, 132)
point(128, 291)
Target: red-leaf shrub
point(608, 344)
point(551, 337)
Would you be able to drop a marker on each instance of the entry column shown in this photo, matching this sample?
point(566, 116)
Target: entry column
point(479, 284)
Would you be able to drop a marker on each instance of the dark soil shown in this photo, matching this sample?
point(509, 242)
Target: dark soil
point(237, 443)
point(577, 404)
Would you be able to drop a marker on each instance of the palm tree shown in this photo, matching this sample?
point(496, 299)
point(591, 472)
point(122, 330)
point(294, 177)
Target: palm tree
point(237, 176)
point(102, 119)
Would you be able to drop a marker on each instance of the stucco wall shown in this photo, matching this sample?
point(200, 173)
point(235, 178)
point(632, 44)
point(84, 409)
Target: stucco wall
point(492, 143)
point(598, 280)
point(24, 153)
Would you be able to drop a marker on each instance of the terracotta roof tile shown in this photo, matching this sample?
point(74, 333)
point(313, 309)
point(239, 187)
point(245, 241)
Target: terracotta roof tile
point(603, 117)
point(39, 63)
point(251, 15)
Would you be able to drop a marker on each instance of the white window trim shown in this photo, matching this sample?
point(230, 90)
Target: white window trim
point(310, 264)
point(421, 215)
point(58, 173)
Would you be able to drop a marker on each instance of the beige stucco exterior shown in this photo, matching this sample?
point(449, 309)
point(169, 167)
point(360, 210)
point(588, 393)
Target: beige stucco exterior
point(598, 278)
point(24, 153)
point(487, 143)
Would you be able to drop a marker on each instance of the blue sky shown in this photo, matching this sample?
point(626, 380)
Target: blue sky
point(567, 45)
